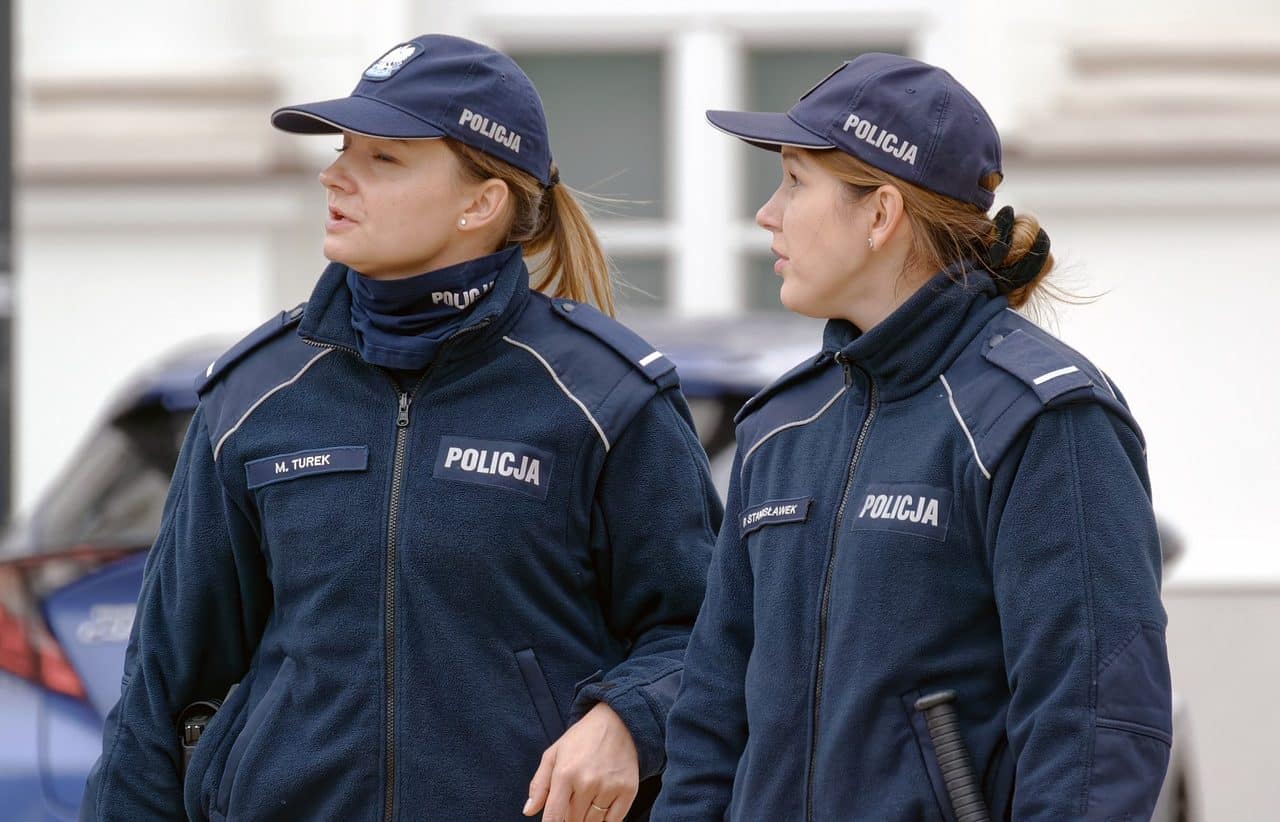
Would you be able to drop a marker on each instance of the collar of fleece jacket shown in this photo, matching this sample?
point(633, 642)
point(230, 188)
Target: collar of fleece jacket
point(913, 345)
point(327, 318)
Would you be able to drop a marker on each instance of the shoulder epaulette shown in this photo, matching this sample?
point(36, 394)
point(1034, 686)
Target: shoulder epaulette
point(1011, 372)
point(269, 330)
point(604, 368)
point(1047, 372)
point(628, 344)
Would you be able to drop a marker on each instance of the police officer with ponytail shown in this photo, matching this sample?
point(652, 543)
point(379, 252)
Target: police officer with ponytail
point(444, 526)
point(936, 594)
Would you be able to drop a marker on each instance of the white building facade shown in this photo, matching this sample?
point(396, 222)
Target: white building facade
point(156, 204)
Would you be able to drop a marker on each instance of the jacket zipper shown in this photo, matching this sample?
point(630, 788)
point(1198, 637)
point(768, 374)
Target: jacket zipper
point(404, 399)
point(389, 605)
point(825, 606)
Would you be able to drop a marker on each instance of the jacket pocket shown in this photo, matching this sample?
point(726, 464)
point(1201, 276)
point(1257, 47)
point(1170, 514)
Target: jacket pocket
point(997, 781)
point(247, 734)
point(535, 682)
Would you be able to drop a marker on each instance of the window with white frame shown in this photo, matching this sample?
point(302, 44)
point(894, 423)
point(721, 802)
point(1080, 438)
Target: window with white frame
point(608, 109)
point(606, 116)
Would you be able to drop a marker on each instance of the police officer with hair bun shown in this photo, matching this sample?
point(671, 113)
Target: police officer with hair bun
point(936, 594)
point(445, 526)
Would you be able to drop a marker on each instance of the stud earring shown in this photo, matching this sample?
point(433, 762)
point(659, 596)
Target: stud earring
point(871, 244)
point(463, 221)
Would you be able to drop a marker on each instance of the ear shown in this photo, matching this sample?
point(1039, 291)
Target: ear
point(888, 215)
point(488, 202)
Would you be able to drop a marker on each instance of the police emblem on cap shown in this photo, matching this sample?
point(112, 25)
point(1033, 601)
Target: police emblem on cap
point(391, 62)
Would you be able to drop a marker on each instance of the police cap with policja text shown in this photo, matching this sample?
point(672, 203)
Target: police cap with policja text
point(437, 86)
point(908, 118)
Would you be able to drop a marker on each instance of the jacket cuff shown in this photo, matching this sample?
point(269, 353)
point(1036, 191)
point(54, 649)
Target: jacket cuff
point(642, 719)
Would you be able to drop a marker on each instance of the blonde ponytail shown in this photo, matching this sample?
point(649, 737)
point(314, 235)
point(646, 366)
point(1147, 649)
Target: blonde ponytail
point(551, 227)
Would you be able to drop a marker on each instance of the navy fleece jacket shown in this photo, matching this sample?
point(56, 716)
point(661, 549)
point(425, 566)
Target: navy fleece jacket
point(953, 500)
point(416, 590)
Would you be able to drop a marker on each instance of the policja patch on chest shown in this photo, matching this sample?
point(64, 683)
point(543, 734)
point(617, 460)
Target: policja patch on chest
point(511, 465)
point(905, 508)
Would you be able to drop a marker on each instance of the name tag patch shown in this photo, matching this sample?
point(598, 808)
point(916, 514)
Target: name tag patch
point(511, 465)
point(306, 463)
point(775, 512)
point(906, 508)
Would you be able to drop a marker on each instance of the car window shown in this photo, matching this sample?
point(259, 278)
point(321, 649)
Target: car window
point(112, 493)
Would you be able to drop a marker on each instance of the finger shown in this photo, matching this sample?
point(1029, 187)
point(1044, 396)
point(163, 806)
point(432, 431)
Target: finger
point(597, 810)
point(619, 806)
point(540, 785)
point(580, 804)
point(558, 798)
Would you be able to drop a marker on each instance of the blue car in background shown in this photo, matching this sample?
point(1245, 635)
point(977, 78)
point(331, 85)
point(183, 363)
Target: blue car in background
point(71, 569)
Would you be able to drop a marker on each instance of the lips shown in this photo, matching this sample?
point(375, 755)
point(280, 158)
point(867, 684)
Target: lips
point(337, 220)
point(780, 262)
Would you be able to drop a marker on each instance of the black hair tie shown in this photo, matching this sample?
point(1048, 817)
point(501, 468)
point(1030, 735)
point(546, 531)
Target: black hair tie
point(999, 248)
point(555, 178)
point(1027, 268)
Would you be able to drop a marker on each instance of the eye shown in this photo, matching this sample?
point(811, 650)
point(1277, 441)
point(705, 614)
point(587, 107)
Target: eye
point(340, 149)
point(384, 158)
point(794, 181)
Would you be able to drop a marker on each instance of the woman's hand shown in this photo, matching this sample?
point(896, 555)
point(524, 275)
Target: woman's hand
point(591, 774)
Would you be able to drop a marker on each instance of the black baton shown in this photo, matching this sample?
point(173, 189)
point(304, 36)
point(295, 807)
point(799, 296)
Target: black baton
point(953, 756)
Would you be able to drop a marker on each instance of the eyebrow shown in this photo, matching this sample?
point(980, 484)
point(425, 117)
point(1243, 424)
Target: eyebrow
point(789, 153)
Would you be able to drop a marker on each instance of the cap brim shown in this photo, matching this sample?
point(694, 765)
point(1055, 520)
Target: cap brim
point(359, 115)
point(766, 129)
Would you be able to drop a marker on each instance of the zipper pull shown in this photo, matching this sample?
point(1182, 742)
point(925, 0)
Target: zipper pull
point(402, 416)
point(848, 369)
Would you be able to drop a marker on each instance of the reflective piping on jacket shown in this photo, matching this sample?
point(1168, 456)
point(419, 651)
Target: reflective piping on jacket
point(655, 355)
point(564, 389)
point(795, 424)
point(951, 399)
point(1107, 383)
point(218, 448)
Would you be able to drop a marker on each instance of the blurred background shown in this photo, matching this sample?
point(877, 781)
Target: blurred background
point(150, 204)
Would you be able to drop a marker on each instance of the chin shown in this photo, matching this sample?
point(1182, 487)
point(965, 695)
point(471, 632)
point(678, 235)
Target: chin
point(801, 303)
point(336, 252)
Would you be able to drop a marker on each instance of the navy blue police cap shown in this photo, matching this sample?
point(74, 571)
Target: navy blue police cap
point(908, 118)
point(437, 86)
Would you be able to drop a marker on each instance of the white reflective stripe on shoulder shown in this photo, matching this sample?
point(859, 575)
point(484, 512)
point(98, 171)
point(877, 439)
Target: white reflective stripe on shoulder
point(650, 358)
point(1061, 372)
point(563, 389)
point(795, 424)
point(952, 399)
point(218, 448)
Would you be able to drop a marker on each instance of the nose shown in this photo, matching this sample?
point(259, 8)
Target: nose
point(334, 176)
point(769, 216)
